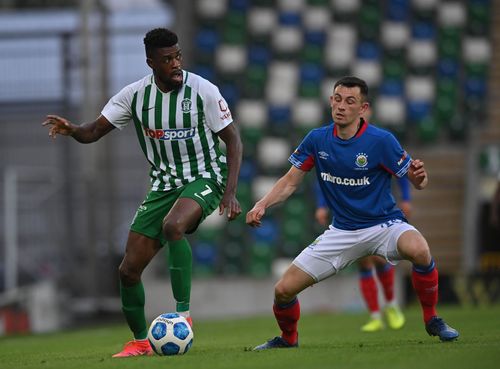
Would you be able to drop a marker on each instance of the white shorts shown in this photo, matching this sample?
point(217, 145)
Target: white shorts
point(336, 249)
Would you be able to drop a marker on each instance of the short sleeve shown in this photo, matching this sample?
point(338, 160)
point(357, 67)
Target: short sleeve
point(217, 113)
point(302, 158)
point(118, 110)
point(394, 158)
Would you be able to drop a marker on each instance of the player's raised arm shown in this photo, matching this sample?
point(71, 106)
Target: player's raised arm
point(84, 133)
point(231, 137)
point(281, 190)
point(417, 174)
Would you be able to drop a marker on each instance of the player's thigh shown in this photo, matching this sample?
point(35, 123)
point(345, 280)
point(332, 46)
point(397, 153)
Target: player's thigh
point(366, 262)
point(148, 219)
point(294, 281)
point(412, 246)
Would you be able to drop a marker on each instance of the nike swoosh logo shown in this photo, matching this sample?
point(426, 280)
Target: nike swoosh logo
point(198, 196)
point(146, 109)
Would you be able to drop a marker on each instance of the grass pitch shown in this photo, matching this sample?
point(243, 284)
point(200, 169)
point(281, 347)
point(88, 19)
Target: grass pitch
point(326, 341)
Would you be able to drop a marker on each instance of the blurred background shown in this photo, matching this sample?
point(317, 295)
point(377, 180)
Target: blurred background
point(66, 207)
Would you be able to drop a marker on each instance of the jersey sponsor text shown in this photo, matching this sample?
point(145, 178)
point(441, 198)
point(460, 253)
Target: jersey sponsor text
point(345, 181)
point(170, 134)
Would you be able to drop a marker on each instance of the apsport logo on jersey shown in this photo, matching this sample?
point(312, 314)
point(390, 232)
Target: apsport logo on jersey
point(170, 134)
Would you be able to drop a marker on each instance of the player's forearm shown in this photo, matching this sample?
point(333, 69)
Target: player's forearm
point(279, 193)
point(234, 153)
point(86, 133)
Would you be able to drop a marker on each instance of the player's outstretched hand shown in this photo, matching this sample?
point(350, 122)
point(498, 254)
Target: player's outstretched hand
point(255, 215)
point(232, 205)
point(417, 174)
point(58, 125)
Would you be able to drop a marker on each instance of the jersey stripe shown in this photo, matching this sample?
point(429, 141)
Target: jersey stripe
point(203, 137)
point(175, 144)
point(187, 118)
point(138, 128)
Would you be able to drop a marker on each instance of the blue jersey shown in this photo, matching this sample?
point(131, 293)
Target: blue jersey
point(355, 174)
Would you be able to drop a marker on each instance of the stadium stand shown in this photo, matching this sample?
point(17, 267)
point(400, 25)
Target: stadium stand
point(427, 63)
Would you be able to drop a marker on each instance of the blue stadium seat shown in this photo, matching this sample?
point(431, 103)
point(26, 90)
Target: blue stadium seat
point(207, 40)
point(418, 110)
point(423, 31)
point(289, 19)
point(398, 10)
point(267, 232)
point(392, 87)
point(448, 68)
point(315, 38)
point(368, 50)
point(259, 54)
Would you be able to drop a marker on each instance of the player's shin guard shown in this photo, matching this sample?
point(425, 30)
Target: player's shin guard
point(425, 283)
point(133, 300)
point(287, 316)
point(180, 264)
point(369, 290)
point(385, 275)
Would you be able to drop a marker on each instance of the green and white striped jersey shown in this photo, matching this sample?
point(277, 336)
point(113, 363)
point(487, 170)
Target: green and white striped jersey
point(176, 130)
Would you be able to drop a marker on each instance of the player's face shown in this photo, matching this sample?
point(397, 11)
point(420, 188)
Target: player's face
point(348, 105)
point(166, 63)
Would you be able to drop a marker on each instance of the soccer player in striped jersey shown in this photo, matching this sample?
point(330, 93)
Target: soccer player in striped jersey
point(179, 118)
point(354, 164)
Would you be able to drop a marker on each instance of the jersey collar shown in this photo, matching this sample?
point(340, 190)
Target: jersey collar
point(362, 128)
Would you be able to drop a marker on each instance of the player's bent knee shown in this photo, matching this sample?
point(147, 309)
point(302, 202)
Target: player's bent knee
point(413, 247)
point(172, 230)
point(283, 294)
point(128, 276)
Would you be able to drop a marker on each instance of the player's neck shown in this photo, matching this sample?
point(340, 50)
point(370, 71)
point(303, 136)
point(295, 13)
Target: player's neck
point(350, 130)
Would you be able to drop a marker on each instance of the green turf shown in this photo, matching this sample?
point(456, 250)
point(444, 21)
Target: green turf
point(326, 341)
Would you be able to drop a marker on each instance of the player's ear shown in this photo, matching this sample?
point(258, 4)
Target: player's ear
point(364, 108)
point(149, 61)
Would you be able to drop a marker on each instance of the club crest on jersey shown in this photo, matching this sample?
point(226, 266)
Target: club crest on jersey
point(186, 105)
point(361, 160)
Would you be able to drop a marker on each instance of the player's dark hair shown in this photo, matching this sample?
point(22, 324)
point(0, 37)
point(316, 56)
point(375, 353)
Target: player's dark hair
point(351, 81)
point(158, 38)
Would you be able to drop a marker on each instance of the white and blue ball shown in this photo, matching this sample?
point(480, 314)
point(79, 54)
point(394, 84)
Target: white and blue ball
point(170, 334)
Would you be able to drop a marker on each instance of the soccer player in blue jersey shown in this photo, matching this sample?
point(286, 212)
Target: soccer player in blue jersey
point(354, 164)
point(384, 270)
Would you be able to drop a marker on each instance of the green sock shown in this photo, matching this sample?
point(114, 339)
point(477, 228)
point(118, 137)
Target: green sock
point(133, 300)
point(180, 262)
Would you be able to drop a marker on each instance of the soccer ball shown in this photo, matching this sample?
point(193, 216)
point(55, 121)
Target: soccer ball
point(170, 334)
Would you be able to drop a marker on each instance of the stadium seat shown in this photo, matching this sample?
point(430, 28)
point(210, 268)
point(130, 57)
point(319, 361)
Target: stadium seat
point(252, 113)
point(204, 258)
point(451, 14)
point(340, 37)
point(428, 130)
point(255, 81)
point(307, 113)
point(398, 10)
point(369, 21)
point(394, 35)
point(476, 50)
point(449, 42)
point(417, 111)
point(273, 152)
point(287, 41)
point(211, 9)
point(478, 22)
point(231, 59)
point(390, 111)
point(316, 18)
point(261, 256)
